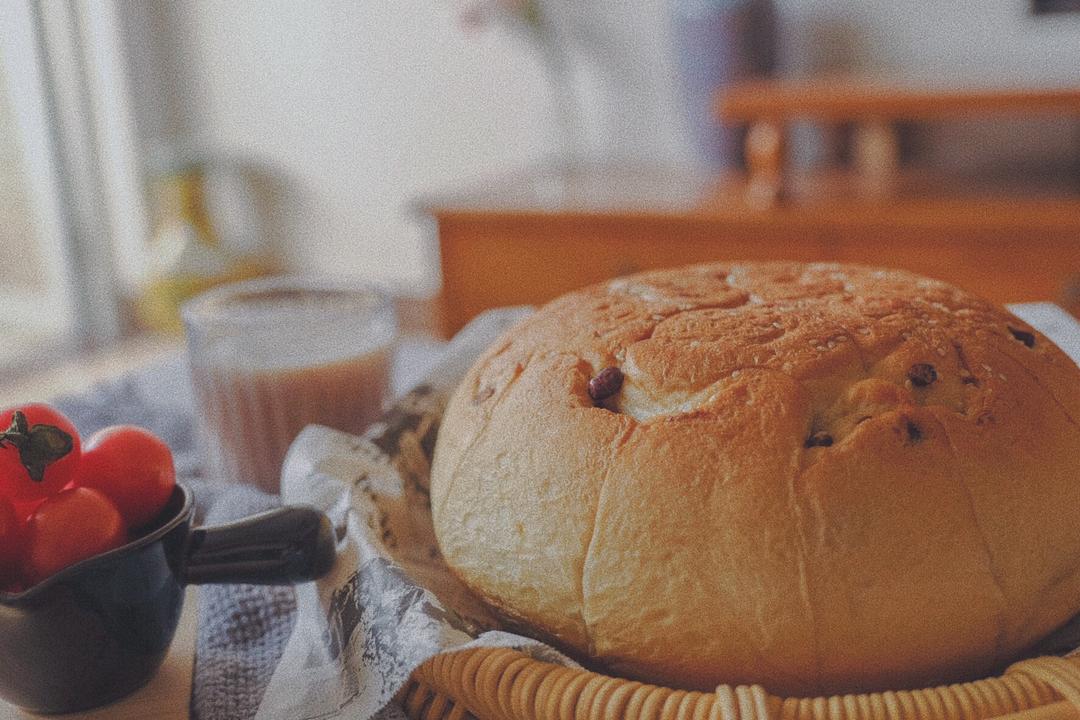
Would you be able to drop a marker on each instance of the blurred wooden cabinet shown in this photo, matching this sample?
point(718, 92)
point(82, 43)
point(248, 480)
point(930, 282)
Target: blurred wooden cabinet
point(529, 238)
point(871, 109)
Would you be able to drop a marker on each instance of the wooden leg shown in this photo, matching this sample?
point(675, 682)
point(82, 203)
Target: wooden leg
point(765, 162)
point(877, 156)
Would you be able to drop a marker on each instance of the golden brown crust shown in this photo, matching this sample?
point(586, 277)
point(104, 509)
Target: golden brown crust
point(820, 478)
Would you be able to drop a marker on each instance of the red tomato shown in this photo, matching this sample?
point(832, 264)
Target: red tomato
point(133, 467)
point(12, 545)
point(39, 452)
point(25, 509)
point(74, 525)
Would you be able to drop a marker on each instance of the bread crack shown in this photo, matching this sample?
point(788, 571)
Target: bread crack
point(618, 442)
point(991, 565)
point(1042, 386)
point(490, 404)
point(967, 377)
point(801, 530)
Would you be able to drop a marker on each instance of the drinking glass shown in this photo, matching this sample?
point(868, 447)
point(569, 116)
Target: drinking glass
point(272, 355)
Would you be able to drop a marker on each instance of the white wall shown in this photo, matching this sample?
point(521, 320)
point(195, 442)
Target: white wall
point(972, 42)
point(966, 40)
point(360, 107)
point(357, 107)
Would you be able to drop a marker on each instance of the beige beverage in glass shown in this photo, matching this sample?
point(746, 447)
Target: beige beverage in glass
point(271, 356)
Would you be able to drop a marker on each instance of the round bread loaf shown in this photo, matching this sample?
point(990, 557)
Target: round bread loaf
point(819, 478)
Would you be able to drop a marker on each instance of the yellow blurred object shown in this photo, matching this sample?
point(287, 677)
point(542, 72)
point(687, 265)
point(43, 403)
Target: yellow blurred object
point(159, 304)
point(188, 255)
point(181, 197)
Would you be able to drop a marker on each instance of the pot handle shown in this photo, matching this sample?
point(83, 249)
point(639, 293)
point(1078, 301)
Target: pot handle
point(287, 545)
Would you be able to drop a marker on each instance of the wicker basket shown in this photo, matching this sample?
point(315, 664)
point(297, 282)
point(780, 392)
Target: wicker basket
point(504, 684)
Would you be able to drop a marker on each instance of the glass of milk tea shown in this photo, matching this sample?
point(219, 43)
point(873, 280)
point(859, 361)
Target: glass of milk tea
point(273, 355)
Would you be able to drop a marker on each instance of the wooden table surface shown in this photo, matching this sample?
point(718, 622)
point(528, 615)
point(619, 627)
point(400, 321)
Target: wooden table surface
point(165, 697)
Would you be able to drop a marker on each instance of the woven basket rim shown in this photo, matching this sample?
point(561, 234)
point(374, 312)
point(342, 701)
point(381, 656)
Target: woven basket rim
point(506, 683)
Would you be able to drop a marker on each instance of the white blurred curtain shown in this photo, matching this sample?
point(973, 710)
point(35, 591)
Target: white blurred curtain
point(71, 187)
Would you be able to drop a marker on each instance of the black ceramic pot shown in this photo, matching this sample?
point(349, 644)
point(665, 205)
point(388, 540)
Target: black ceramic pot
point(100, 629)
